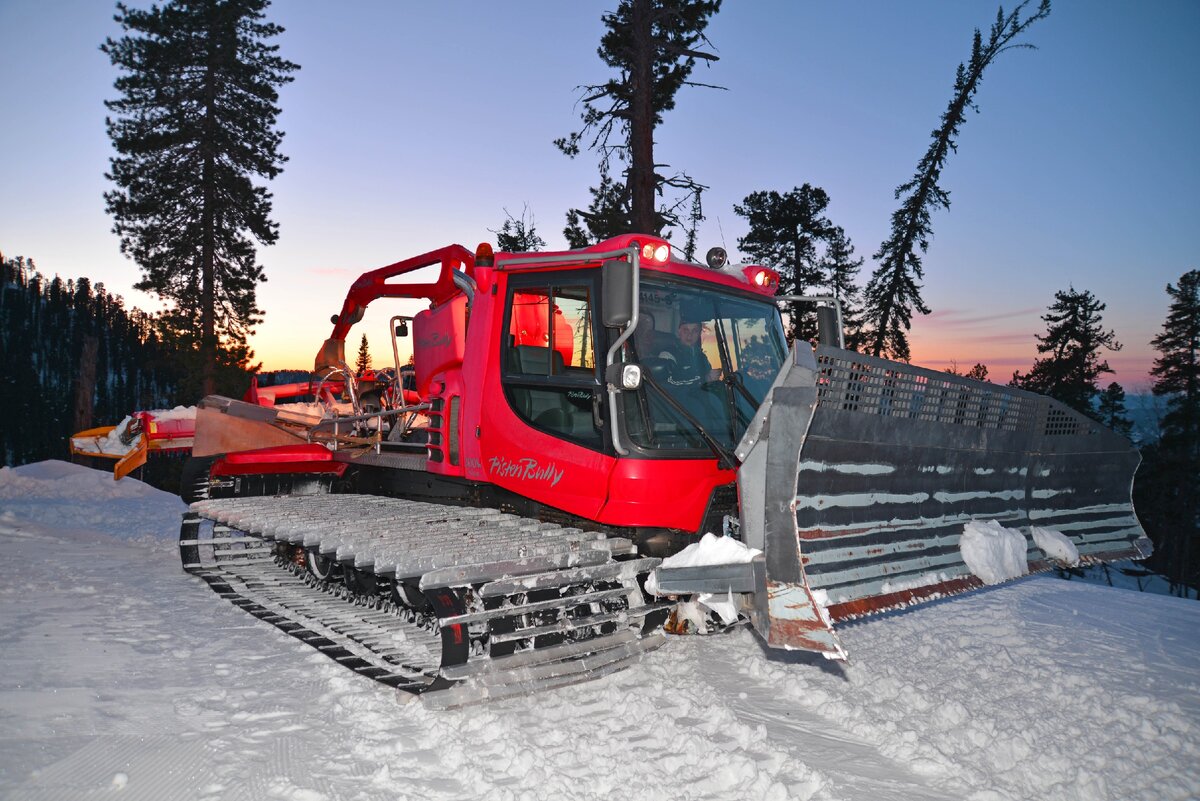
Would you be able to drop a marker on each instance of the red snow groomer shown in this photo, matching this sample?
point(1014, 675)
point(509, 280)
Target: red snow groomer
point(570, 419)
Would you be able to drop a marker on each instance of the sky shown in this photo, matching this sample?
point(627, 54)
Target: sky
point(411, 126)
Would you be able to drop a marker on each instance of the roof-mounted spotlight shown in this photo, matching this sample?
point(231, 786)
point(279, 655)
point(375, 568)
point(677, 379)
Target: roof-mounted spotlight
point(716, 258)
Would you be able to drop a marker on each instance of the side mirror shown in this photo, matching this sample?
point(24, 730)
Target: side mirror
point(402, 329)
point(616, 292)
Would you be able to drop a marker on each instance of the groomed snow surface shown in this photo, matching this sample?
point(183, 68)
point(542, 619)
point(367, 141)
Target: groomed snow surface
point(123, 677)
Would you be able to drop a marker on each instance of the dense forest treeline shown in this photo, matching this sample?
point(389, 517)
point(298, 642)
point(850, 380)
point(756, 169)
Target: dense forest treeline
point(59, 339)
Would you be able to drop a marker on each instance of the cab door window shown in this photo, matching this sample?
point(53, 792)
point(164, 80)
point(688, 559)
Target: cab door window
point(550, 374)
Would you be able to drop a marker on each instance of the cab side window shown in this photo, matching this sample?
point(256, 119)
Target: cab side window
point(550, 376)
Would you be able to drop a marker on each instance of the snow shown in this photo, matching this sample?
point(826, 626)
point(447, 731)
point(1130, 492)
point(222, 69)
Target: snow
point(110, 443)
point(992, 552)
point(1055, 545)
point(124, 677)
point(710, 550)
point(178, 413)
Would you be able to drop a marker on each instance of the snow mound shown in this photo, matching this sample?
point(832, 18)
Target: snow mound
point(65, 495)
point(710, 550)
point(992, 552)
point(1055, 545)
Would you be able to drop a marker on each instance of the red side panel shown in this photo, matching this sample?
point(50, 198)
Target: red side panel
point(664, 493)
point(439, 341)
point(155, 429)
point(534, 464)
point(283, 459)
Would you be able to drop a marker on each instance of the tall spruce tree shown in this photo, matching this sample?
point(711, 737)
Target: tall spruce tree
point(1074, 336)
point(785, 233)
point(653, 45)
point(607, 215)
point(193, 128)
point(1177, 369)
point(894, 291)
point(1169, 492)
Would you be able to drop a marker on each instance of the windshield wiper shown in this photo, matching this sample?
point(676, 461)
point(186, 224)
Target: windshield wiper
point(725, 458)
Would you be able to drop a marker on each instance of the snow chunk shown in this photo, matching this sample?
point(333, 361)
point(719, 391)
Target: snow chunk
point(710, 550)
point(110, 443)
point(1055, 545)
point(992, 552)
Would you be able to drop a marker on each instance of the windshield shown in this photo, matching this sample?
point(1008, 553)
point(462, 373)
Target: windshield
point(705, 352)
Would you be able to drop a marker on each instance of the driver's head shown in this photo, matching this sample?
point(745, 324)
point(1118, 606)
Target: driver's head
point(643, 335)
point(689, 333)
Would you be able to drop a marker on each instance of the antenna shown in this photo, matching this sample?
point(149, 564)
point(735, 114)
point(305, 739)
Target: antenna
point(722, 230)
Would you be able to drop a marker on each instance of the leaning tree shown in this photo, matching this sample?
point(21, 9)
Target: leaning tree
point(894, 291)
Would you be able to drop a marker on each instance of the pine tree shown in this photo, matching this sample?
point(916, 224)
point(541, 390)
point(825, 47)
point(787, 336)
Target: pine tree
point(193, 129)
point(1111, 409)
point(894, 290)
point(1177, 368)
point(606, 216)
point(840, 270)
point(785, 231)
point(518, 234)
point(1074, 336)
point(979, 372)
point(1169, 492)
point(653, 44)
point(363, 363)
point(694, 218)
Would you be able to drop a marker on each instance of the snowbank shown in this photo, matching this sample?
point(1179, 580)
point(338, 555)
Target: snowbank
point(125, 677)
point(69, 496)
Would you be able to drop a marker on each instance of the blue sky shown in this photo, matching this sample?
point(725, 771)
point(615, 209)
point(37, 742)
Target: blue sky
point(413, 125)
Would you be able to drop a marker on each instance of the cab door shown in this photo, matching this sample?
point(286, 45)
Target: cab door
point(546, 430)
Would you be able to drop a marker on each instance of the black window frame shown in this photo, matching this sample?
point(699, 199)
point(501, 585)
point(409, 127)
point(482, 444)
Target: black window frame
point(575, 380)
point(701, 450)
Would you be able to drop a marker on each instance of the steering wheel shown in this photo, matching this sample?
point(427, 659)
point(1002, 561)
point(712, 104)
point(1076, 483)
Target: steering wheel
point(658, 368)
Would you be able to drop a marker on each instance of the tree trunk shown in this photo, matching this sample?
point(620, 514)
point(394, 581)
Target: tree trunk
point(641, 122)
point(85, 384)
point(208, 337)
